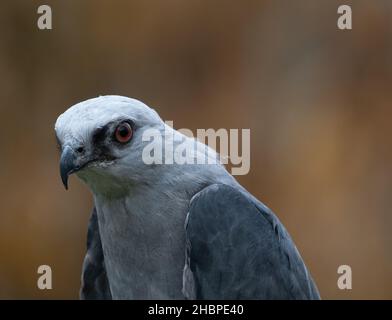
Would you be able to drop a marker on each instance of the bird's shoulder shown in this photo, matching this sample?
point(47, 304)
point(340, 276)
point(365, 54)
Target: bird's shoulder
point(232, 234)
point(221, 201)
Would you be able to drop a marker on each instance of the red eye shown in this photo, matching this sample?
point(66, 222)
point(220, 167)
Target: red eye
point(123, 132)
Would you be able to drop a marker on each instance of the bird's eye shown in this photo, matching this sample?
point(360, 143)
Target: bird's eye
point(123, 132)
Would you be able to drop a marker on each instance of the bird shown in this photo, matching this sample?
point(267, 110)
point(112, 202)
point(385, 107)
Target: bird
point(170, 230)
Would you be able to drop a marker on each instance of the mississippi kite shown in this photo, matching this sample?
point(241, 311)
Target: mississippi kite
point(170, 231)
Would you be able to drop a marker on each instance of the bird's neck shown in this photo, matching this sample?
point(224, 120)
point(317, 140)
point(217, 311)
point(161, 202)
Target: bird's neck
point(143, 240)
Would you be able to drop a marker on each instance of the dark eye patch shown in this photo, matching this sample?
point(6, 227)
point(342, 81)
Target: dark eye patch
point(100, 143)
point(103, 140)
point(100, 135)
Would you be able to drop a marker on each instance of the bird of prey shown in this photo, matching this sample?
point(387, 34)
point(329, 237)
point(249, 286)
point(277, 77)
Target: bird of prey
point(170, 231)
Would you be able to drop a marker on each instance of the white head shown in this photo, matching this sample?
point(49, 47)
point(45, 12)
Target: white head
point(101, 139)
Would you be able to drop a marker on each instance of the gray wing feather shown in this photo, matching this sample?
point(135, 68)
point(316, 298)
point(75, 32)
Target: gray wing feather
point(236, 248)
point(95, 283)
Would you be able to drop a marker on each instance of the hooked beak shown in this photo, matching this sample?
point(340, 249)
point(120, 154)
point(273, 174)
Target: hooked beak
point(67, 165)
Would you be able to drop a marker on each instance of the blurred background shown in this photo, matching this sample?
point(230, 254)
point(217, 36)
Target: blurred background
point(317, 101)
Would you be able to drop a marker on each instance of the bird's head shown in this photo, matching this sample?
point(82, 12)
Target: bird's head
point(101, 139)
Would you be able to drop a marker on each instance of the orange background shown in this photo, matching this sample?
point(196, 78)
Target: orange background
point(317, 101)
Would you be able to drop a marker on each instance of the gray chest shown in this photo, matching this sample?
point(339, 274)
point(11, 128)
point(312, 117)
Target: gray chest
point(144, 247)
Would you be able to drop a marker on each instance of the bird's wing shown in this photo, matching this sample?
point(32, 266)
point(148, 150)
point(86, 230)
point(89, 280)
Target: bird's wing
point(236, 248)
point(95, 283)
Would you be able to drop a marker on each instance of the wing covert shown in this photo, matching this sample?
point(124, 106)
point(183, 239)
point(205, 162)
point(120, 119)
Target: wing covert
point(95, 283)
point(236, 248)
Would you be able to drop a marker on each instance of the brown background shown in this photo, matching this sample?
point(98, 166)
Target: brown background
point(317, 101)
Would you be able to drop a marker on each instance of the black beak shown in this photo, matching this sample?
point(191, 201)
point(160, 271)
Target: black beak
point(67, 164)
